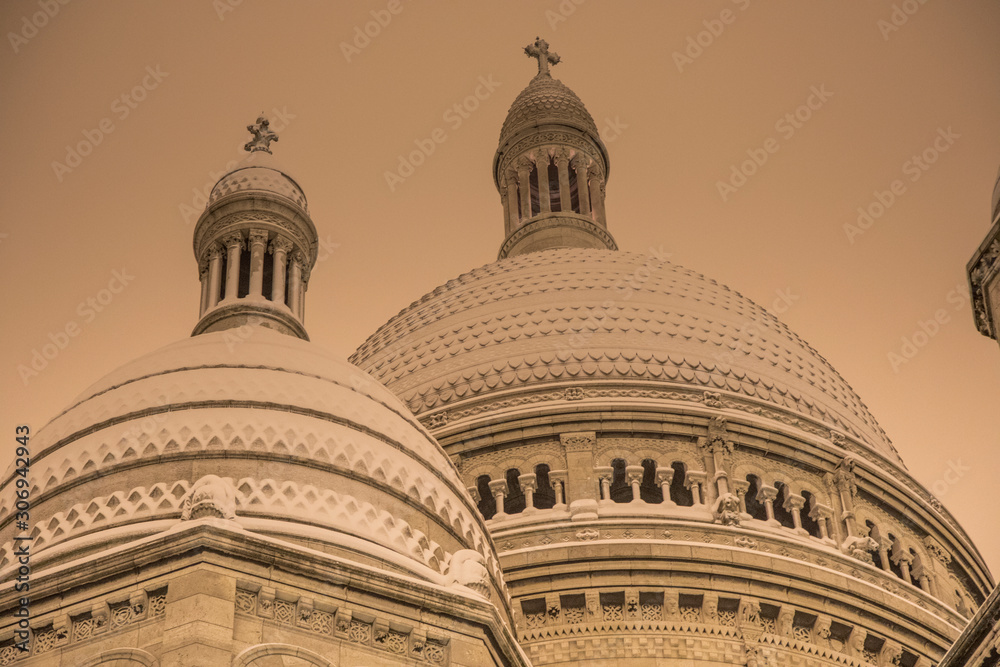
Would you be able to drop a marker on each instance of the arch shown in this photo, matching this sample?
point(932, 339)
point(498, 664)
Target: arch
point(487, 503)
point(679, 493)
point(555, 196)
point(248, 657)
point(649, 490)
point(513, 502)
point(534, 190)
point(755, 508)
point(800, 486)
point(621, 490)
point(123, 657)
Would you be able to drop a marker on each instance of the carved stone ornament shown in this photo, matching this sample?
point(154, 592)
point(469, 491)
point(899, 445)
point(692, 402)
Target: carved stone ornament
point(860, 547)
point(210, 496)
point(727, 510)
point(263, 135)
point(467, 568)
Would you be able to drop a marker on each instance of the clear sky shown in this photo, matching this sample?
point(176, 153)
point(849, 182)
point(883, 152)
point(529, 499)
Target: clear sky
point(116, 114)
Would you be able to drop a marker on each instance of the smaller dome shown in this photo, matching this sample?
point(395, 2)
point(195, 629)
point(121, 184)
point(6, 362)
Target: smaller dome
point(546, 100)
point(259, 171)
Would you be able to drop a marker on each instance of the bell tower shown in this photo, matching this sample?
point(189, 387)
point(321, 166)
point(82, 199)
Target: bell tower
point(551, 167)
point(255, 245)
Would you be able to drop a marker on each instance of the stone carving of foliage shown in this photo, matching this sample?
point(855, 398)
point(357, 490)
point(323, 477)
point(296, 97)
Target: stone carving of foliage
point(727, 617)
point(692, 614)
point(767, 624)
point(652, 612)
point(573, 614)
point(45, 640)
point(158, 604)
point(613, 612)
point(246, 601)
point(321, 622)
point(394, 642)
point(359, 632)
point(434, 653)
point(802, 633)
point(8, 654)
point(535, 620)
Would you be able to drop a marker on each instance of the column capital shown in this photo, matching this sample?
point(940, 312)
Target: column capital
point(740, 486)
point(498, 486)
point(215, 250)
point(794, 502)
point(694, 477)
point(280, 243)
point(579, 161)
point(474, 492)
point(634, 473)
point(524, 164)
point(558, 476)
point(767, 493)
point(233, 239)
point(528, 480)
point(821, 512)
point(258, 236)
point(561, 154)
point(664, 475)
point(604, 472)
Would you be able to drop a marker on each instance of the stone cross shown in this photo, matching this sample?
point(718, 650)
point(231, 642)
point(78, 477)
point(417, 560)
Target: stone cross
point(262, 136)
point(540, 50)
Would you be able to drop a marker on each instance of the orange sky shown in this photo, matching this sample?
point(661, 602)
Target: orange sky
point(158, 96)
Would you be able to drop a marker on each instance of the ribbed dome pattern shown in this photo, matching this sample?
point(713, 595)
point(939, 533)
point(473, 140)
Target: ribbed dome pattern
point(546, 100)
point(576, 316)
point(258, 171)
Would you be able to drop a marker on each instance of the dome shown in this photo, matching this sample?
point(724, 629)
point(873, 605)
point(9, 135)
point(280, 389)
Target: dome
point(266, 430)
point(533, 327)
point(546, 101)
point(259, 171)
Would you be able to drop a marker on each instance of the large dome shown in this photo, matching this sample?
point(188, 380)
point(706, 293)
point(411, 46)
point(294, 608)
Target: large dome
point(602, 321)
point(307, 447)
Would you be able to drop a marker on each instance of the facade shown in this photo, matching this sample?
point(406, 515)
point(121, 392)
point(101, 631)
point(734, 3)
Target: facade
point(574, 455)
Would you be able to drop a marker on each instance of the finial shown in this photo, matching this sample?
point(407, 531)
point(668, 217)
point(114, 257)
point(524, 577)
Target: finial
point(262, 136)
point(540, 50)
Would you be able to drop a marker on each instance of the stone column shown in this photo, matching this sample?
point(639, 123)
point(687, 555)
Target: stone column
point(846, 484)
point(766, 495)
point(498, 487)
point(794, 504)
point(580, 166)
point(605, 474)
point(214, 274)
point(295, 283)
point(596, 188)
point(303, 288)
point(234, 246)
point(665, 477)
point(558, 480)
point(529, 484)
point(542, 165)
point(258, 245)
point(562, 164)
point(203, 277)
point(822, 515)
point(740, 487)
point(279, 248)
point(524, 165)
point(694, 480)
point(513, 211)
point(634, 476)
point(883, 554)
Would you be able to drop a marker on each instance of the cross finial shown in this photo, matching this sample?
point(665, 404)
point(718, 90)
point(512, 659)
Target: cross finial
point(262, 136)
point(540, 50)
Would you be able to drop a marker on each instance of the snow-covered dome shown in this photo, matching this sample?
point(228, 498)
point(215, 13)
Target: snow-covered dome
point(600, 323)
point(261, 428)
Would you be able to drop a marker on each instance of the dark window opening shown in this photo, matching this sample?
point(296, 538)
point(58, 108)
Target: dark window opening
point(244, 285)
point(783, 516)
point(755, 507)
point(487, 503)
point(679, 493)
point(514, 500)
point(574, 195)
point(621, 492)
point(545, 494)
point(875, 553)
point(536, 206)
point(810, 524)
point(224, 269)
point(895, 548)
point(649, 490)
point(555, 197)
point(268, 276)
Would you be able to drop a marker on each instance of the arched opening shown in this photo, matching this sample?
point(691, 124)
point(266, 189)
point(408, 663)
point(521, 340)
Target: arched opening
point(621, 492)
point(781, 514)
point(536, 206)
point(244, 287)
point(649, 490)
point(268, 277)
point(755, 508)
point(545, 496)
point(917, 571)
point(876, 553)
point(487, 503)
point(514, 501)
point(679, 493)
point(555, 196)
point(223, 272)
point(810, 524)
point(574, 194)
